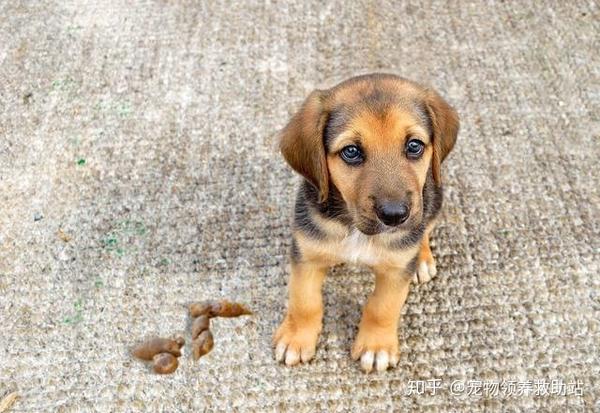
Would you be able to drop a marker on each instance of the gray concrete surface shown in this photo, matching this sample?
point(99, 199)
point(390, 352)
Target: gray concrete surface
point(143, 131)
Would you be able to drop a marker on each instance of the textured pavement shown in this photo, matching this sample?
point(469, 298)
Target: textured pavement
point(137, 174)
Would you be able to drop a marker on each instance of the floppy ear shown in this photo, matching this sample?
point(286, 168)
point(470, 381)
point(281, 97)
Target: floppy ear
point(301, 143)
point(445, 124)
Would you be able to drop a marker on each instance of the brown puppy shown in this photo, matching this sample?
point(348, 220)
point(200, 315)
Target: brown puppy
point(370, 150)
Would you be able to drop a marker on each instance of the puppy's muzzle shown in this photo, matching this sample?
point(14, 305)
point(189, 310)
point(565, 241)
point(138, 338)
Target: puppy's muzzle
point(392, 213)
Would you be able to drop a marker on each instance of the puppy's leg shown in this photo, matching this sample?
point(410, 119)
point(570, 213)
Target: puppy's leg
point(296, 338)
point(377, 341)
point(426, 269)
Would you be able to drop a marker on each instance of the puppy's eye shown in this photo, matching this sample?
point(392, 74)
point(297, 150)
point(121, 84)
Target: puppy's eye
point(352, 155)
point(414, 148)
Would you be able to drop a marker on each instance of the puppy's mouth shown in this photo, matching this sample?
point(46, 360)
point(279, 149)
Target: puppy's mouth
point(370, 226)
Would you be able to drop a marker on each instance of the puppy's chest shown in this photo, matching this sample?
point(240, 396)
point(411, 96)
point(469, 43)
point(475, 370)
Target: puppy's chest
point(360, 249)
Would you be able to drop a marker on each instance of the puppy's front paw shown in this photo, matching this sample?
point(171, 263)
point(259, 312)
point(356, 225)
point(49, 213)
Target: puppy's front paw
point(426, 270)
point(376, 348)
point(296, 342)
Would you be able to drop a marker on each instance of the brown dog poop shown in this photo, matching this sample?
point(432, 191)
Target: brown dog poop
point(163, 353)
point(199, 325)
point(223, 308)
point(165, 363)
point(149, 348)
point(202, 344)
point(202, 312)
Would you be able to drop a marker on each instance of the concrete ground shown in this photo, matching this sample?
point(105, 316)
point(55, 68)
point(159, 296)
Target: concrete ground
point(137, 174)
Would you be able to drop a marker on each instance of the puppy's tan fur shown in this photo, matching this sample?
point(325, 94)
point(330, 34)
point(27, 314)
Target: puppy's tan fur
point(337, 218)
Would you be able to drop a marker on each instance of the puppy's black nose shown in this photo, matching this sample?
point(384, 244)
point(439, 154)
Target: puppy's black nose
point(392, 213)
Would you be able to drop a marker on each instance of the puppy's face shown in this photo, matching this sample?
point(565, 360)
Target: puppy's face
point(374, 138)
point(378, 160)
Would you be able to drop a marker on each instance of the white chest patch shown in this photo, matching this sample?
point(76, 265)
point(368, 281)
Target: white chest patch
point(359, 248)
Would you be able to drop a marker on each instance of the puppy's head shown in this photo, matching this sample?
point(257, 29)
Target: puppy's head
point(374, 138)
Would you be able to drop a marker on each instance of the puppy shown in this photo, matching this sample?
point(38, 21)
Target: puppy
point(370, 151)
